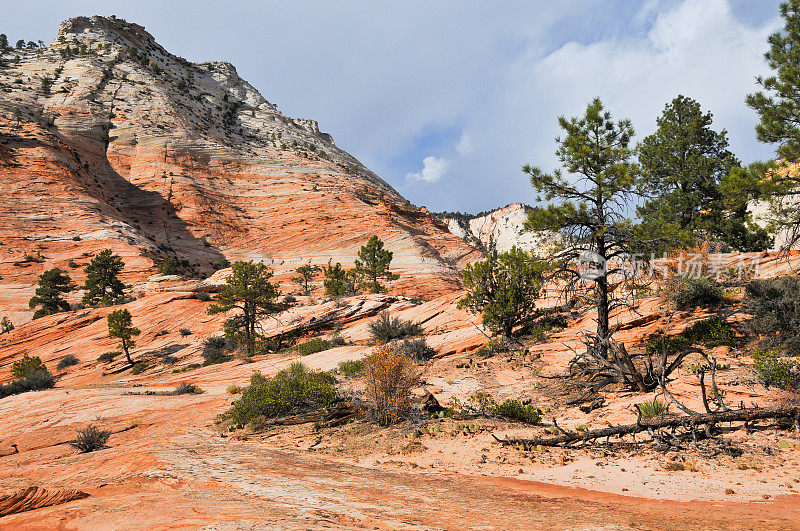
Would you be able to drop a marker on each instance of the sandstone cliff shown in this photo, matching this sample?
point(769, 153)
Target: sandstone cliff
point(500, 230)
point(108, 140)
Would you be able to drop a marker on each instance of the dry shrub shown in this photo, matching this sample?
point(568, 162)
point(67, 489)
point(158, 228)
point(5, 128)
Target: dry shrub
point(389, 377)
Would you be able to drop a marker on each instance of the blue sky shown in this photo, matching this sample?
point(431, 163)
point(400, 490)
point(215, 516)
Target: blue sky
point(446, 100)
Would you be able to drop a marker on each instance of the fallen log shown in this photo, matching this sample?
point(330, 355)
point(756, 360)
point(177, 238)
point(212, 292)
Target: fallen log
point(664, 421)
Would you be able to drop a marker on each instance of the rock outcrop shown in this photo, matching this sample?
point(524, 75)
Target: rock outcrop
point(500, 230)
point(109, 141)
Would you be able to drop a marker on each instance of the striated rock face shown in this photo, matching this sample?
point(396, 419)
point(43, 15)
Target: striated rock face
point(108, 140)
point(500, 230)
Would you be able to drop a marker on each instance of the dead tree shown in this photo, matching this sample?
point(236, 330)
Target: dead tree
point(668, 430)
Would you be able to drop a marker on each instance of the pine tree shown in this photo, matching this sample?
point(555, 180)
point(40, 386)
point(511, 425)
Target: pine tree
point(779, 108)
point(373, 263)
point(102, 286)
point(590, 208)
point(683, 164)
point(52, 284)
point(305, 274)
point(120, 326)
point(249, 290)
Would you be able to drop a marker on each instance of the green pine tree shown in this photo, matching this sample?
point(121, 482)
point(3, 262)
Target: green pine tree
point(249, 290)
point(779, 108)
point(102, 286)
point(52, 284)
point(120, 326)
point(683, 164)
point(590, 208)
point(373, 264)
point(305, 274)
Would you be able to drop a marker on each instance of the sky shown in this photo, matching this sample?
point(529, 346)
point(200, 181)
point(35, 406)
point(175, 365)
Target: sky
point(447, 99)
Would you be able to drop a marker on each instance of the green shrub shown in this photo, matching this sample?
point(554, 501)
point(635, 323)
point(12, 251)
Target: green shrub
point(108, 357)
point(185, 332)
point(187, 389)
point(67, 361)
point(416, 349)
point(290, 391)
point(514, 409)
point(37, 381)
point(775, 307)
point(711, 332)
point(215, 350)
point(696, 292)
point(27, 366)
point(90, 439)
point(652, 408)
point(776, 371)
point(386, 328)
point(351, 368)
point(312, 346)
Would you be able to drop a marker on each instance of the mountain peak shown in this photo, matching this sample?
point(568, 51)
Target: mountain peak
point(107, 29)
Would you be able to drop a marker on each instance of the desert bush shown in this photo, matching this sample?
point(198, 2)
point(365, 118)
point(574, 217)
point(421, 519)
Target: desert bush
point(187, 389)
point(514, 409)
point(386, 328)
point(351, 368)
point(185, 332)
point(90, 439)
point(695, 292)
point(313, 345)
point(711, 332)
point(162, 333)
point(504, 288)
point(202, 296)
point(67, 361)
point(652, 408)
point(108, 357)
point(215, 350)
point(416, 349)
point(37, 381)
point(27, 366)
point(233, 389)
point(389, 378)
point(774, 370)
point(290, 391)
point(775, 307)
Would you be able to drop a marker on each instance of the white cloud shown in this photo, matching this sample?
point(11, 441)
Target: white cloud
point(433, 169)
point(464, 145)
point(694, 47)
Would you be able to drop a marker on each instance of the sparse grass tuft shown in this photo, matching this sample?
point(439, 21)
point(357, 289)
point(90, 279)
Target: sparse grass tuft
point(652, 408)
point(387, 328)
point(90, 439)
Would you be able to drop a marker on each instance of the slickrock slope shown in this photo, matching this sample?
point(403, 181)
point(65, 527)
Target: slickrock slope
point(500, 230)
point(108, 140)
